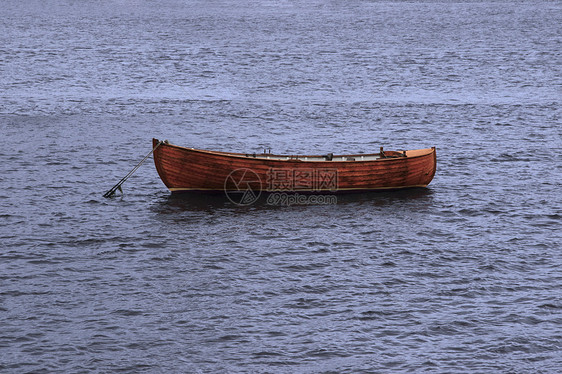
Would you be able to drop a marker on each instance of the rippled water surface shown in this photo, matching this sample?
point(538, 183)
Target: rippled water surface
point(463, 276)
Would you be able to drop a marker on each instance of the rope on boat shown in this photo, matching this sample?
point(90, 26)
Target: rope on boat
point(118, 185)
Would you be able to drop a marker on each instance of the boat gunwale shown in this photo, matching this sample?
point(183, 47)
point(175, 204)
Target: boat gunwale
point(299, 158)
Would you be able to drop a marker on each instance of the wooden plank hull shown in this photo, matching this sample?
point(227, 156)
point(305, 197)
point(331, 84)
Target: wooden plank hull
point(191, 170)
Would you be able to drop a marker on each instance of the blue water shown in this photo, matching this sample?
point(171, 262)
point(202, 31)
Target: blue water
point(464, 276)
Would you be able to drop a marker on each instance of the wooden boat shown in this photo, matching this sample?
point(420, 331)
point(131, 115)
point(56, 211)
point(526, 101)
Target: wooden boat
point(193, 170)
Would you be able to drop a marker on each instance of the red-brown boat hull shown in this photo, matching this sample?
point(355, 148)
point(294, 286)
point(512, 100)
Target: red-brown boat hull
point(187, 169)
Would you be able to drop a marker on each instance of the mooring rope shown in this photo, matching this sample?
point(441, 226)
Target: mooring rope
point(118, 185)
